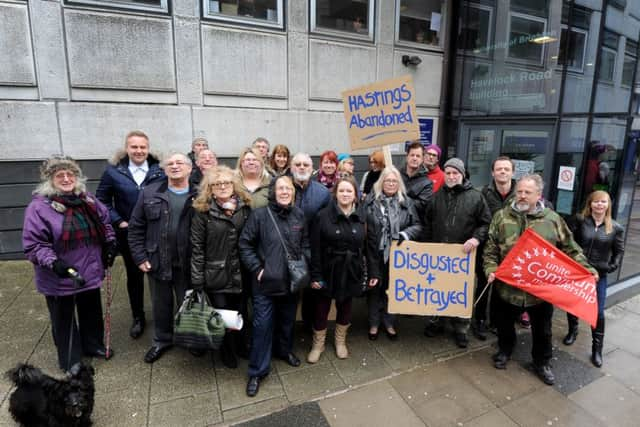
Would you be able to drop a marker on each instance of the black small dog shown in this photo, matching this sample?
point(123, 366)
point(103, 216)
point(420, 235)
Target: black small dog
point(43, 401)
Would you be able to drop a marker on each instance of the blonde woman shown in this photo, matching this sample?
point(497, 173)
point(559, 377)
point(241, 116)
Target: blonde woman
point(253, 178)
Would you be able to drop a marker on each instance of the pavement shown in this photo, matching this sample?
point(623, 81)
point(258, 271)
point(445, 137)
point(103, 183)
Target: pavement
point(415, 381)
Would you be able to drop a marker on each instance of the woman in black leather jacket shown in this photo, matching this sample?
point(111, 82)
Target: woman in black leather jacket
point(221, 209)
point(602, 240)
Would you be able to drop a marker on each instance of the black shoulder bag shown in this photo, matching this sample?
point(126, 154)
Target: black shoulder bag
point(299, 275)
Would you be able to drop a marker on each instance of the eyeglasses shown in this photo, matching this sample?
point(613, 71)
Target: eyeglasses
point(178, 163)
point(221, 184)
point(390, 181)
point(250, 160)
point(63, 175)
point(431, 154)
point(299, 164)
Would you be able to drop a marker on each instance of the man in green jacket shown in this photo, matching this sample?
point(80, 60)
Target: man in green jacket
point(508, 224)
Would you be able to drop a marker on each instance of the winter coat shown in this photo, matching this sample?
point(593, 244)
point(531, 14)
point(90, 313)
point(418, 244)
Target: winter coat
point(215, 259)
point(408, 221)
point(337, 251)
point(41, 236)
point(149, 232)
point(506, 228)
point(604, 251)
point(261, 248)
point(494, 198)
point(119, 191)
point(457, 214)
point(260, 196)
point(419, 188)
point(310, 199)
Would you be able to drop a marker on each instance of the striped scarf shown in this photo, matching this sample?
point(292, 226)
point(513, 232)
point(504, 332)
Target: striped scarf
point(81, 225)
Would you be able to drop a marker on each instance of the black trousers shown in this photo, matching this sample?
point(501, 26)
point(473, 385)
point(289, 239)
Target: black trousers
point(166, 298)
point(540, 316)
point(135, 277)
point(88, 329)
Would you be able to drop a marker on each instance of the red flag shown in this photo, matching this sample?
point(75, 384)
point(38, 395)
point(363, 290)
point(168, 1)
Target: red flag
point(539, 268)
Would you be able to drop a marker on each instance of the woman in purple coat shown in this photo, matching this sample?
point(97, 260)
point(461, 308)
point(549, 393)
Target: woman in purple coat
point(67, 235)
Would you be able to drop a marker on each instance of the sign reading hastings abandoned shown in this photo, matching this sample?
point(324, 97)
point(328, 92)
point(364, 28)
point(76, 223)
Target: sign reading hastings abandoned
point(381, 113)
point(431, 279)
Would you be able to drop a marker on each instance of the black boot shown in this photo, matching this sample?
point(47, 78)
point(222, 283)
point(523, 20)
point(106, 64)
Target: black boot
point(597, 335)
point(573, 330)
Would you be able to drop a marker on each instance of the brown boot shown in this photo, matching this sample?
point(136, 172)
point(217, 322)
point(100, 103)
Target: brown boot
point(317, 347)
point(341, 341)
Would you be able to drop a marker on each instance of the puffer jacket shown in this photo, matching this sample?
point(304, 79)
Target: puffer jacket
point(261, 248)
point(215, 259)
point(604, 251)
point(337, 251)
point(419, 188)
point(118, 190)
point(408, 221)
point(494, 198)
point(506, 228)
point(311, 198)
point(457, 214)
point(149, 232)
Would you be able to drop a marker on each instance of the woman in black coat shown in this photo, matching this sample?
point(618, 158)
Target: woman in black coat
point(221, 209)
point(263, 254)
point(337, 247)
point(602, 240)
point(391, 216)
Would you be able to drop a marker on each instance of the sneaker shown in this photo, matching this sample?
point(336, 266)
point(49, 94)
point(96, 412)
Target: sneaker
point(544, 373)
point(524, 320)
point(500, 360)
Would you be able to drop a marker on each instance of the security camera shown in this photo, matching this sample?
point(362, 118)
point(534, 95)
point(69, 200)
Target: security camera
point(411, 60)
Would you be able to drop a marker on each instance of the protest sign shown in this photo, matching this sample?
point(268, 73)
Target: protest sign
point(539, 268)
point(381, 113)
point(431, 279)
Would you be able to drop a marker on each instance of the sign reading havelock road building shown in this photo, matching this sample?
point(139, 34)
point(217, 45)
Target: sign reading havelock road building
point(381, 113)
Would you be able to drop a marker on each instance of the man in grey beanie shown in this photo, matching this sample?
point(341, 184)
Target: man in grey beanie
point(458, 214)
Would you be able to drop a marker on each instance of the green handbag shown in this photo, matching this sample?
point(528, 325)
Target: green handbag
point(197, 325)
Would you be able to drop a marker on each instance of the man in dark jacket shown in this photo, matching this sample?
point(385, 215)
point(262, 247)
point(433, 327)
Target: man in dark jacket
point(498, 193)
point(419, 187)
point(130, 170)
point(457, 214)
point(159, 238)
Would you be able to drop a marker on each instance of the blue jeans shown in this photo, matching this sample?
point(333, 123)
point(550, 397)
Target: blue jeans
point(273, 321)
point(601, 289)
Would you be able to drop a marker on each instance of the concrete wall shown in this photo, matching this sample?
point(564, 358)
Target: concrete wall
point(74, 79)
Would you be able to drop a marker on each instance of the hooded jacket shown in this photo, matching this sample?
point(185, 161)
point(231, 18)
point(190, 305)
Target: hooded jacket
point(457, 214)
point(507, 226)
point(215, 258)
point(119, 191)
point(41, 236)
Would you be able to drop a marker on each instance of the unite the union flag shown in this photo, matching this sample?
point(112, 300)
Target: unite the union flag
point(539, 268)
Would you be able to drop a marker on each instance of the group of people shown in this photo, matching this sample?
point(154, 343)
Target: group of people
point(189, 223)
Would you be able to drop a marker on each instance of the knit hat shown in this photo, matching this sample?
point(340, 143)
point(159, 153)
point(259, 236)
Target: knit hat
point(343, 156)
point(435, 148)
point(455, 163)
point(55, 164)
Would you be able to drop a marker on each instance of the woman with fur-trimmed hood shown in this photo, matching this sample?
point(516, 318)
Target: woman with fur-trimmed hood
point(129, 171)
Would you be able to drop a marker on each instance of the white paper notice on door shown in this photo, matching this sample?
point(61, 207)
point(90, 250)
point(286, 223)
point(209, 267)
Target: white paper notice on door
point(435, 21)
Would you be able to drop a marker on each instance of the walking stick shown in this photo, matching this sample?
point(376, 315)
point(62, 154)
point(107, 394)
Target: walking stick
point(107, 315)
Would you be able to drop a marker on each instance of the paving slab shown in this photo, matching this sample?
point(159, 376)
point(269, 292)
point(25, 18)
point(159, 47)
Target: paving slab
point(548, 407)
point(493, 418)
point(609, 401)
point(378, 404)
point(307, 415)
point(625, 367)
point(201, 409)
point(308, 382)
point(364, 363)
point(120, 408)
point(120, 372)
point(250, 410)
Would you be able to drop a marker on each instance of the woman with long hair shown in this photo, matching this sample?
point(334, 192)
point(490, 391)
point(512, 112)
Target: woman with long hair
point(279, 161)
point(221, 209)
point(602, 240)
point(376, 164)
point(68, 237)
point(253, 177)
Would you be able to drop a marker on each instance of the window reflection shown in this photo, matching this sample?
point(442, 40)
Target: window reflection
point(345, 16)
point(420, 21)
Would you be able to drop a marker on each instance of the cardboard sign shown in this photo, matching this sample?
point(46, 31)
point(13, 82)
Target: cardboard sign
point(539, 268)
point(381, 113)
point(431, 279)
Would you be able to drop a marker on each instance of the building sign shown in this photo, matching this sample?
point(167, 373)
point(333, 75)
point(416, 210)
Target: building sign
point(381, 113)
point(566, 178)
point(426, 133)
point(431, 279)
point(523, 167)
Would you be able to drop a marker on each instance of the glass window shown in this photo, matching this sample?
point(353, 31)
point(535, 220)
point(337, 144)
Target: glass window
point(527, 36)
point(476, 28)
point(628, 208)
point(420, 21)
point(629, 62)
point(570, 152)
point(352, 18)
point(572, 51)
point(266, 13)
point(150, 5)
point(607, 64)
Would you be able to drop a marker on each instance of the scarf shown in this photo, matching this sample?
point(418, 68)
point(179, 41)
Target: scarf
point(327, 180)
point(81, 225)
point(228, 207)
point(390, 207)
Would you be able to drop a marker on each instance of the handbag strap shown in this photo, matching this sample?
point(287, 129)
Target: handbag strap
point(279, 234)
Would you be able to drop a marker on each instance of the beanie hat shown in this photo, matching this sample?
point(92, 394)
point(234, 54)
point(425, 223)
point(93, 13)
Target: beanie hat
point(55, 164)
point(343, 156)
point(435, 148)
point(455, 163)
